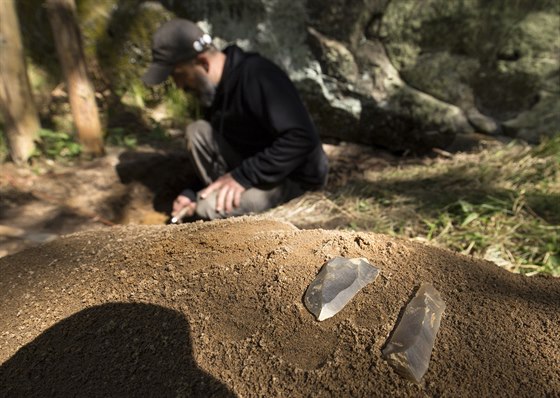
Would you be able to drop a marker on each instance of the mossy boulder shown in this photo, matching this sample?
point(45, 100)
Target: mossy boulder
point(124, 47)
point(498, 58)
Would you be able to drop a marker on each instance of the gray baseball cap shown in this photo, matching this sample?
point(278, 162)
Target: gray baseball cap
point(175, 41)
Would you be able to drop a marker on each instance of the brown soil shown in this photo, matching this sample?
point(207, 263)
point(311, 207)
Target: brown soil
point(215, 309)
point(40, 203)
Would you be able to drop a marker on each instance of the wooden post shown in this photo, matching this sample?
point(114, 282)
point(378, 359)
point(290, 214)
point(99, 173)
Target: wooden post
point(68, 42)
point(17, 105)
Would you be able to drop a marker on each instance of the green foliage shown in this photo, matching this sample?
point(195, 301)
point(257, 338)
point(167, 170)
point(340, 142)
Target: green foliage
point(123, 48)
point(550, 147)
point(181, 106)
point(118, 136)
point(176, 106)
point(502, 204)
point(122, 137)
point(136, 94)
point(57, 145)
point(506, 227)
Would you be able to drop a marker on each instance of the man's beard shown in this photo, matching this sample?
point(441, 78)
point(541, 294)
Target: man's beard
point(205, 90)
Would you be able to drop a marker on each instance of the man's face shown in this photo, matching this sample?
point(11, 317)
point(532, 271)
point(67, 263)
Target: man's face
point(192, 76)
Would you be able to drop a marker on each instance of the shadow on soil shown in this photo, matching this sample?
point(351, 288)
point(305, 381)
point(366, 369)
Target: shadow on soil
point(115, 349)
point(165, 175)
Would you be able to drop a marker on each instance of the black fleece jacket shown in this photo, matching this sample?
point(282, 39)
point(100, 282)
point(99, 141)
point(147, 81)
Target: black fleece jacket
point(260, 114)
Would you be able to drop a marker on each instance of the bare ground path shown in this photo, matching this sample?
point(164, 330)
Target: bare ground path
point(49, 199)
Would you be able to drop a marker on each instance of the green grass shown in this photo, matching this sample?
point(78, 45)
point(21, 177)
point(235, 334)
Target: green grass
point(502, 204)
point(128, 138)
point(118, 136)
point(57, 145)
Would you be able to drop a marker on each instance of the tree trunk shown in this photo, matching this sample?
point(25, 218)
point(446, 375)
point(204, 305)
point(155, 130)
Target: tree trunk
point(21, 119)
point(68, 42)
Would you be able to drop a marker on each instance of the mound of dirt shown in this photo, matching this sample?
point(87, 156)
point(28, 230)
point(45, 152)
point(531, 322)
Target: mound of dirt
point(215, 309)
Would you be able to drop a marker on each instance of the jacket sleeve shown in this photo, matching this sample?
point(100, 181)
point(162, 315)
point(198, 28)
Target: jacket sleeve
point(272, 99)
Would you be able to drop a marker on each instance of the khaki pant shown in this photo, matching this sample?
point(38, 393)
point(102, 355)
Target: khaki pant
point(213, 157)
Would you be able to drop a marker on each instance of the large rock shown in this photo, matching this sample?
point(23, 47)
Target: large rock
point(409, 75)
point(500, 64)
point(377, 107)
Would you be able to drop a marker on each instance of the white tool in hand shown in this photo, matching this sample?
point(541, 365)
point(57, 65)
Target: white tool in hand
point(177, 218)
point(180, 215)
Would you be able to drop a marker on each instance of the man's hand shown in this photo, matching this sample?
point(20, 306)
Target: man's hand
point(228, 195)
point(183, 207)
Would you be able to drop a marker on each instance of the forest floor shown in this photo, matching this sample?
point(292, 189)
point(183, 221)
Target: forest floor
point(50, 198)
point(435, 198)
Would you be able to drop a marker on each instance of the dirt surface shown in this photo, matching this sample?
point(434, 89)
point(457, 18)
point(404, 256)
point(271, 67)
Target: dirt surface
point(215, 309)
point(48, 199)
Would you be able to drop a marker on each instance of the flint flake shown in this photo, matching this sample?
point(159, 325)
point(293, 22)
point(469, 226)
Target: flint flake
point(410, 347)
point(336, 284)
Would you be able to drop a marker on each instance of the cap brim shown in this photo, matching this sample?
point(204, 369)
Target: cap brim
point(156, 74)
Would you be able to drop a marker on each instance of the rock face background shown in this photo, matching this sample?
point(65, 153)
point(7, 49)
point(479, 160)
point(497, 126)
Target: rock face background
point(398, 73)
